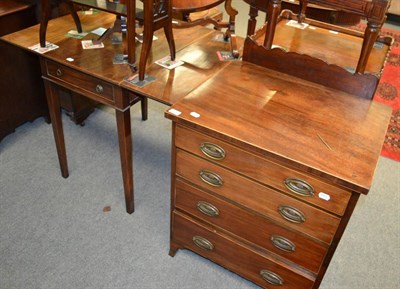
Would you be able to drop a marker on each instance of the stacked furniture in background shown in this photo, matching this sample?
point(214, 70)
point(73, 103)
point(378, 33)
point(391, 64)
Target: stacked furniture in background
point(22, 96)
point(187, 7)
point(373, 11)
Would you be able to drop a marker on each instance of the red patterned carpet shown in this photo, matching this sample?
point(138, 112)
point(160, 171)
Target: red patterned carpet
point(388, 93)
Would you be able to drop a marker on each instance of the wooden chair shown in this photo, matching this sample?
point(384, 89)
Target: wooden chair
point(309, 68)
point(185, 7)
point(157, 14)
point(373, 10)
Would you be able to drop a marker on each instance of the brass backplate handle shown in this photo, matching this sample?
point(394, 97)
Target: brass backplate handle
point(292, 214)
point(212, 151)
point(283, 243)
point(208, 209)
point(203, 243)
point(211, 178)
point(271, 277)
point(299, 187)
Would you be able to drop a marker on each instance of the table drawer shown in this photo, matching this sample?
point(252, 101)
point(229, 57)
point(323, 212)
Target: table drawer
point(235, 256)
point(263, 170)
point(85, 84)
point(271, 203)
point(251, 227)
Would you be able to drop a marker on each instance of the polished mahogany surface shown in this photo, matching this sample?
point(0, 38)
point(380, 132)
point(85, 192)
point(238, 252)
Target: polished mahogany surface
point(315, 129)
point(199, 54)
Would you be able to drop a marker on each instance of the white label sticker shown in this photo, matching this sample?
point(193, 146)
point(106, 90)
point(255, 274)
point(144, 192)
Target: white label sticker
point(195, 114)
point(174, 111)
point(324, 196)
point(70, 59)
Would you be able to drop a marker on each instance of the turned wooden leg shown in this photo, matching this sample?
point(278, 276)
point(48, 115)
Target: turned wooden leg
point(125, 150)
point(274, 8)
point(370, 36)
point(252, 23)
point(53, 101)
point(302, 11)
point(231, 29)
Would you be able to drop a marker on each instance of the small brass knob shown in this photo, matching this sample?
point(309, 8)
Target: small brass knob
point(59, 73)
point(99, 89)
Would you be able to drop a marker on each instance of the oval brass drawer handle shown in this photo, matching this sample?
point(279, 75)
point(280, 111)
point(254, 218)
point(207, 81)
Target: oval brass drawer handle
point(292, 214)
point(299, 187)
point(59, 72)
point(271, 277)
point(208, 209)
point(99, 89)
point(211, 178)
point(283, 244)
point(203, 243)
point(212, 151)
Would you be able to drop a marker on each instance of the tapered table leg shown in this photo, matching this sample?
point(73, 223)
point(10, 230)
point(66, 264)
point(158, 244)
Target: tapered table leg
point(125, 149)
point(53, 102)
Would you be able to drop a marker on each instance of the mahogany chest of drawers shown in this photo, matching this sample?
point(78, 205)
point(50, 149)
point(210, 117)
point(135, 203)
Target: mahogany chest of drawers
point(254, 189)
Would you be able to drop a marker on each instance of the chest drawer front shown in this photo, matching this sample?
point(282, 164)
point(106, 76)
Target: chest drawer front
point(234, 256)
point(263, 170)
point(253, 228)
point(273, 204)
point(87, 84)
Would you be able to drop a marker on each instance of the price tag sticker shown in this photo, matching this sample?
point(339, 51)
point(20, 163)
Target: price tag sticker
point(174, 111)
point(195, 114)
point(324, 196)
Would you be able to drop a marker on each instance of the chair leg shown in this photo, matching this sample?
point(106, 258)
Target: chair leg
point(170, 39)
point(252, 22)
point(45, 16)
point(45, 11)
point(302, 11)
point(75, 16)
point(274, 9)
point(231, 28)
point(144, 107)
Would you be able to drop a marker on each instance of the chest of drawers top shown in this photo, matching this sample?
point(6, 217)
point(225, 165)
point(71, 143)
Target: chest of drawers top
point(311, 128)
